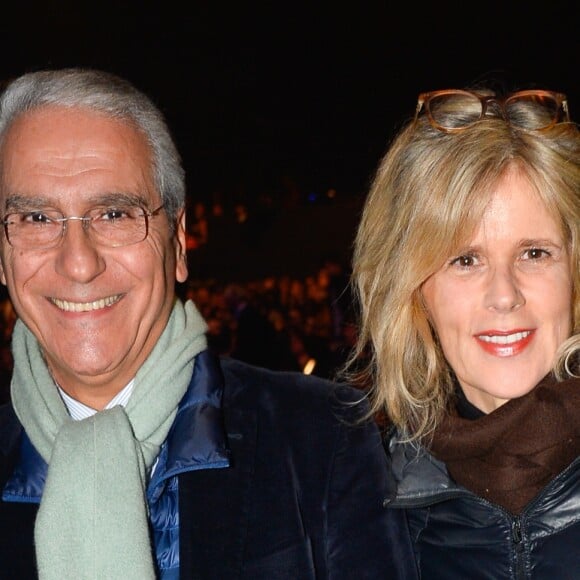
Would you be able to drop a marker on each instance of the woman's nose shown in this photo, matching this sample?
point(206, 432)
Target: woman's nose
point(504, 293)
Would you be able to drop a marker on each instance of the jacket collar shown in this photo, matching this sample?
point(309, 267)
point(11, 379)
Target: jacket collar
point(197, 439)
point(418, 474)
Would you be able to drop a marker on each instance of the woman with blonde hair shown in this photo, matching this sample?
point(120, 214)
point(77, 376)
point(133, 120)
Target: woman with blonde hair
point(467, 270)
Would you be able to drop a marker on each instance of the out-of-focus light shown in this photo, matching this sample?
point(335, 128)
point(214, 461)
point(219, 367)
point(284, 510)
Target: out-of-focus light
point(331, 193)
point(309, 366)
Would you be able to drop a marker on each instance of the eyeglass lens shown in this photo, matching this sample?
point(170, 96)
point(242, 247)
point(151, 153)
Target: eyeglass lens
point(45, 229)
point(459, 110)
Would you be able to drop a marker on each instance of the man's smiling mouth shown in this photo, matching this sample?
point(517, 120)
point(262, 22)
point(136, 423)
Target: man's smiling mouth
point(69, 306)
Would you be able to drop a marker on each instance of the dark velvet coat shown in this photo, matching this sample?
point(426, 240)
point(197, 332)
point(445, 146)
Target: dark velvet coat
point(302, 498)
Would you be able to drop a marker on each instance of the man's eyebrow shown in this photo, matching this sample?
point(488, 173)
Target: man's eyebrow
point(118, 198)
point(17, 202)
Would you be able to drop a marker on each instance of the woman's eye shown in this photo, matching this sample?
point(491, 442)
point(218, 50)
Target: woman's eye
point(536, 254)
point(466, 261)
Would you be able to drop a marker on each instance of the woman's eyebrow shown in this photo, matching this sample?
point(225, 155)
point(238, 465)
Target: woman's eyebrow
point(528, 242)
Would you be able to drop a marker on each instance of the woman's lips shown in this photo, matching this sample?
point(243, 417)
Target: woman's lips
point(505, 343)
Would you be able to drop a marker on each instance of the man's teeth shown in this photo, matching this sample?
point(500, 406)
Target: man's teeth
point(505, 339)
point(85, 306)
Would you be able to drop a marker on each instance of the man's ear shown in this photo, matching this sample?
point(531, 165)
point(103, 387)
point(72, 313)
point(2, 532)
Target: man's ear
point(180, 247)
point(2, 275)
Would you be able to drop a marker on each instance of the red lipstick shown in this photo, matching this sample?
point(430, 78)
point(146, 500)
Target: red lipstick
point(504, 344)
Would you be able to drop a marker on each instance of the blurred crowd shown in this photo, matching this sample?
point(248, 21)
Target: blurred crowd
point(282, 323)
point(7, 319)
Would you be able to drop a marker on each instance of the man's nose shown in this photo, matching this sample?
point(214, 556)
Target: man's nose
point(78, 257)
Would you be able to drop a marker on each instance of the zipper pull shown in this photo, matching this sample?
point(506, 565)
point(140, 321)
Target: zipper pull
point(517, 530)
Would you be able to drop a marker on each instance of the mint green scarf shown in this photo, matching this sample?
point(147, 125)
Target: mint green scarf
point(93, 522)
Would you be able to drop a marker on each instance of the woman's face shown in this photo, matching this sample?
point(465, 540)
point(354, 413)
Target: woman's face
point(503, 304)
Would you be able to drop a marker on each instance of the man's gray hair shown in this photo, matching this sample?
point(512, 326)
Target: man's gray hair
point(111, 95)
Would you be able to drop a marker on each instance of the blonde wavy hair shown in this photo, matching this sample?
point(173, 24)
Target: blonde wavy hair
point(426, 200)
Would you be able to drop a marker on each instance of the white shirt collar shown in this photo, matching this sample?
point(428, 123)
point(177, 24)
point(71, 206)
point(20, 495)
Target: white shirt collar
point(79, 411)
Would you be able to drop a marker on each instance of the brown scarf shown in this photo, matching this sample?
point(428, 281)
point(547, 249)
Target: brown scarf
point(509, 455)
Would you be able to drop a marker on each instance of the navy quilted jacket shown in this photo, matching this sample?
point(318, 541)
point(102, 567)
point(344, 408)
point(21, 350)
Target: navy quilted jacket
point(263, 476)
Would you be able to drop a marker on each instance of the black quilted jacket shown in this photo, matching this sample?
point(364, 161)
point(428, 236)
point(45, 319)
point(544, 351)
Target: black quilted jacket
point(458, 535)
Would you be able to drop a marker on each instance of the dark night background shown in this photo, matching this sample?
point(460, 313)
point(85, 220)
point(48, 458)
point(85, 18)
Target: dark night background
point(281, 98)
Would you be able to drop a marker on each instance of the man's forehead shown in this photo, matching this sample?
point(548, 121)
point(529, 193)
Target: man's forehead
point(72, 131)
point(56, 149)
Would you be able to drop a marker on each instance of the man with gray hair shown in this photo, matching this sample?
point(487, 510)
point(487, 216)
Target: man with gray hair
point(128, 450)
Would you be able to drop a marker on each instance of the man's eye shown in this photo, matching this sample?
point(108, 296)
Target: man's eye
point(36, 217)
point(115, 214)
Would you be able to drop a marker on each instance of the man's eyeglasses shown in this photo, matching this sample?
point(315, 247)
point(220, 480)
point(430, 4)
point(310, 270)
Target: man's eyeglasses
point(454, 110)
point(107, 226)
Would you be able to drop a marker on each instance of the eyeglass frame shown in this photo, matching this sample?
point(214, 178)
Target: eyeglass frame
point(424, 99)
point(85, 219)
